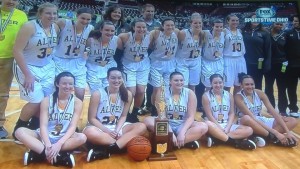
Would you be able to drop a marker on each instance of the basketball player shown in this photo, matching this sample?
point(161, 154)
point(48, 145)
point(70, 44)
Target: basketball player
point(233, 53)
point(136, 63)
point(188, 55)
point(164, 43)
point(180, 106)
point(103, 45)
point(219, 109)
point(11, 21)
point(258, 46)
point(212, 60)
point(249, 102)
point(60, 113)
point(69, 53)
point(107, 132)
point(34, 69)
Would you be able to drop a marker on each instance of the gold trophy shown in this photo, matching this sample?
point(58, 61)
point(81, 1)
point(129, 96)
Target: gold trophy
point(161, 138)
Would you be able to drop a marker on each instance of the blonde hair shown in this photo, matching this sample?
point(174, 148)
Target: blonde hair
point(43, 6)
point(196, 15)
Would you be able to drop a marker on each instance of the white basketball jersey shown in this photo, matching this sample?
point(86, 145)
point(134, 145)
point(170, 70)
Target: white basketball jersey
point(108, 113)
point(177, 110)
point(234, 44)
point(67, 46)
point(219, 108)
point(213, 48)
point(254, 107)
point(35, 52)
point(165, 48)
point(99, 53)
point(133, 50)
point(189, 49)
point(59, 120)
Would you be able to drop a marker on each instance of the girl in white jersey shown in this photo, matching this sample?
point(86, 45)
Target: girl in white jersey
point(136, 63)
point(188, 55)
point(212, 59)
point(233, 53)
point(181, 105)
point(34, 69)
point(164, 43)
point(60, 113)
point(107, 131)
point(69, 53)
point(218, 105)
point(103, 45)
point(249, 102)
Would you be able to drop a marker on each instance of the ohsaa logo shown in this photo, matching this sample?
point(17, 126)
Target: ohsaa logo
point(265, 12)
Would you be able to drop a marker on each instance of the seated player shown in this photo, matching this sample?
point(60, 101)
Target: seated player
point(106, 131)
point(56, 136)
point(181, 109)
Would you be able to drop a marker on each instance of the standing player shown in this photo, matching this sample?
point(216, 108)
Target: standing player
point(219, 109)
point(164, 43)
point(60, 113)
point(234, 50)
point(180, 106)
point(278, 68)
point(34, 69)
point(188, 55)
point(69, 53)
point(258, 46)
point(11, 21)
point(136, 63)
point(107, 132)
point(293, 69)
point(103, 45)
point(212, 60)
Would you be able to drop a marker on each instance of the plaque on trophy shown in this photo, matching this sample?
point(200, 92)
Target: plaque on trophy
point(161, 138)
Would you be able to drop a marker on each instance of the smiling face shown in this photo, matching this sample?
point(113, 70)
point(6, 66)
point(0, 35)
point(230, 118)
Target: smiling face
point(218, 28)
point(116, 14)
point(296, 22)
point(196, 24)
point(177, 82)
point(115, 79)
point(8, 5)
point(248, 85)
point(168, 26)
point(84, 19)
point(48, 15)
point(148, 13)
point(65, 85)
point(140, 28)
point(107, 31)
point(217, 84)
point(233, 22)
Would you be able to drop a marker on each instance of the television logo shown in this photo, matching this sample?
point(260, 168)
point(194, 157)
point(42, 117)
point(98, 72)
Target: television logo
point(265, 12)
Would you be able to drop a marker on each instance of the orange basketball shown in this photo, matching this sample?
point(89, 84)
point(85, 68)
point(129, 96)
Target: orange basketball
point(139, 148)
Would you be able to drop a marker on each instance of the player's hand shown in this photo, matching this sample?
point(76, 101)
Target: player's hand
point(291, 138)
point(175, 141)
point(227, 129)
point(113, 134)
point(29, 83)
point(180, 139)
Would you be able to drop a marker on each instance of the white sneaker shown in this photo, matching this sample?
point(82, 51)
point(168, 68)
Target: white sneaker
point(295, 114)
point(259, 141)
point(210, 142)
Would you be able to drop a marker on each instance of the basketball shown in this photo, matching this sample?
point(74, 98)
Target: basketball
point(139, 148)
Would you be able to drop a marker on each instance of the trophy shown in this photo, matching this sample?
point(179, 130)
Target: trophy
point(161, 138)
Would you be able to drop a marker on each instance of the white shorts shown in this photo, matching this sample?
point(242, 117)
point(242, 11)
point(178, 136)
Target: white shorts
point(75, 66)
point(267, 121)
point(110, 127)
point(176, 126)
point(190, 69)
point(232, 67)
point(161, 70)
point(209, 68)
point(232, 128)
point(97, 75)
point(43, 85)
point(137, 73)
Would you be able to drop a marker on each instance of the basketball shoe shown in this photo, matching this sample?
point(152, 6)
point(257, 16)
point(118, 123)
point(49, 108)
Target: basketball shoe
point(210, 142)
point(31, 156)
point(245, 144)
point(64, 159)
point(259, 141)
point(192, 145)
point(3, 132)
point(95, 154)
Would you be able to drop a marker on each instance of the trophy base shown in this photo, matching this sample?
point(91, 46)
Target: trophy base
point(166, 157)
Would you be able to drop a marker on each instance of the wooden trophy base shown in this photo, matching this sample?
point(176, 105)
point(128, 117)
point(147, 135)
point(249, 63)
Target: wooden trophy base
point(165, 157)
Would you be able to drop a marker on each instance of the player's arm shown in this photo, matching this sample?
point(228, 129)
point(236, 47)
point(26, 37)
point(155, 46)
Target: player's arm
point(125, 111)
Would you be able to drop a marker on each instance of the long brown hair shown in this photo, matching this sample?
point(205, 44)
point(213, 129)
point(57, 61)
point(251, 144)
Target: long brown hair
point(123, 90)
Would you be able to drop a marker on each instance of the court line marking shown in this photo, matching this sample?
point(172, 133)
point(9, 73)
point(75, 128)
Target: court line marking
point(13, 112)
point(296, 134)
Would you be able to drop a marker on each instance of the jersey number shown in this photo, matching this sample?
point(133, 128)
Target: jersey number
point(43, 53)
point(236, 47)
point(69, 50)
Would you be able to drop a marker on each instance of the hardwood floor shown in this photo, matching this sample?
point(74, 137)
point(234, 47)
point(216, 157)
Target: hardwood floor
point(221, 156)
